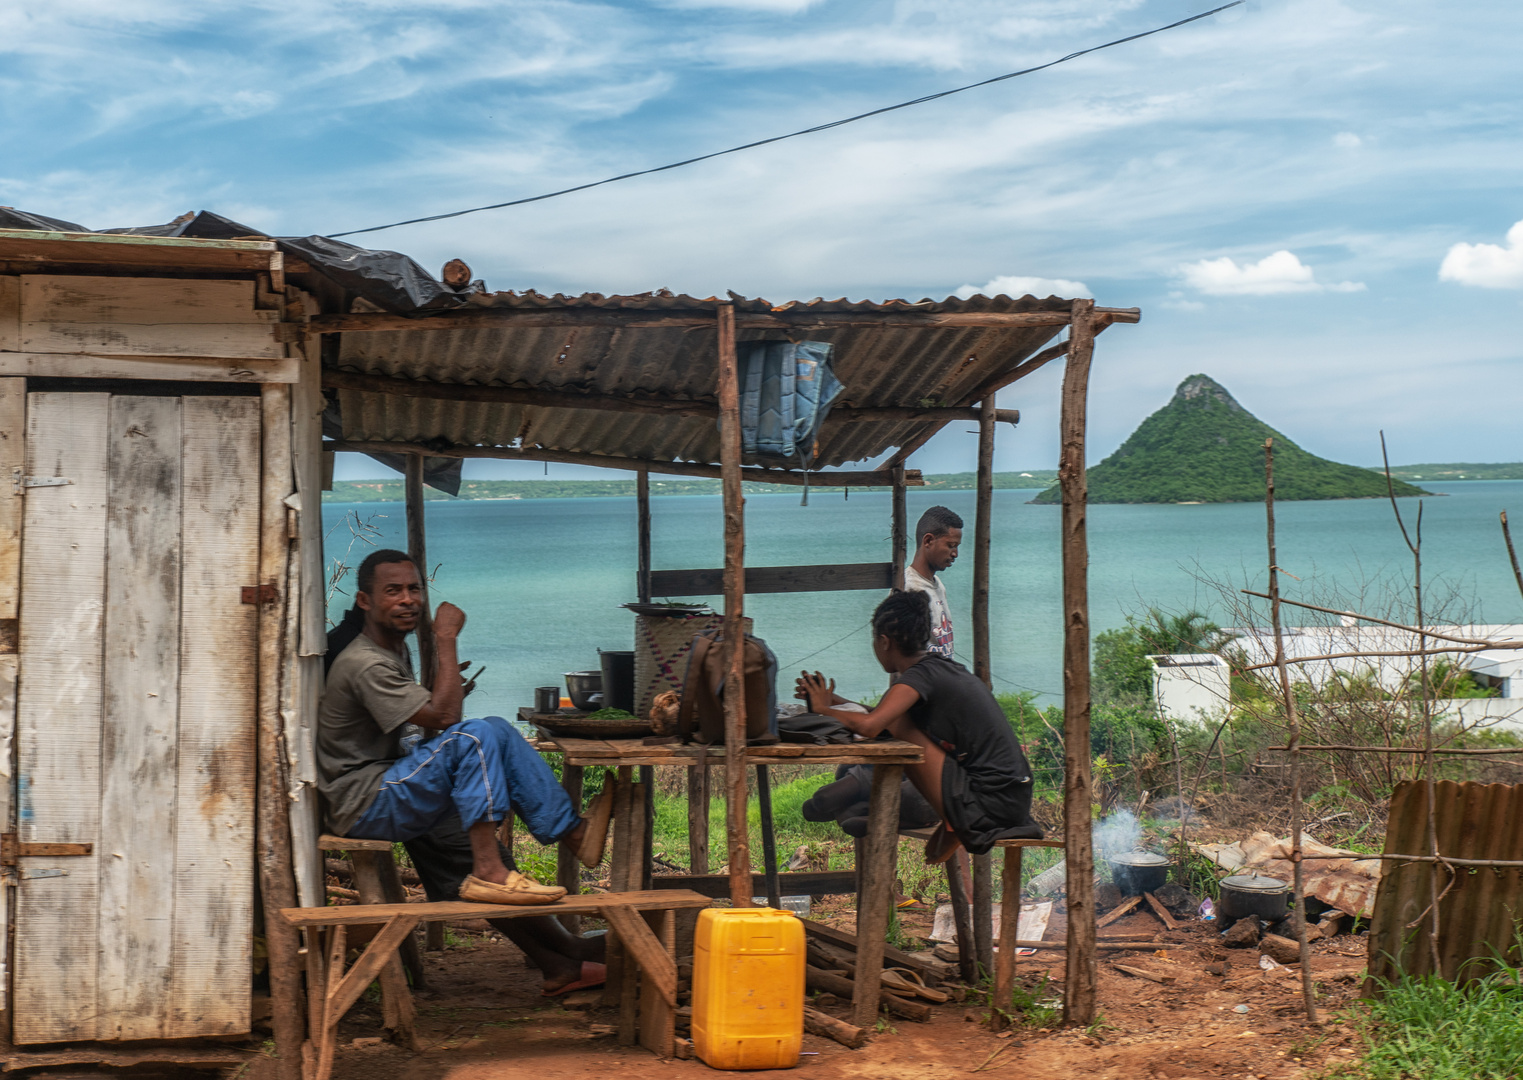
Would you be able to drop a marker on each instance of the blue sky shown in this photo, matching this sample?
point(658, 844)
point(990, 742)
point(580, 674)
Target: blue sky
point(1310, 201)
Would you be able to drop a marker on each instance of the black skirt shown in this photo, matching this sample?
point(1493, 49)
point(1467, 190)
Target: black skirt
point(980, 818)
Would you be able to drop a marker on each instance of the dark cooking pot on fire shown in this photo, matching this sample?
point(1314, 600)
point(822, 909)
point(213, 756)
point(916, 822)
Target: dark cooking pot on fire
point(1138, 872)
point(1252, 894)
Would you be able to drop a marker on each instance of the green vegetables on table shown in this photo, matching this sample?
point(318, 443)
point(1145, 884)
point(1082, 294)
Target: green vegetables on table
point(610, 714)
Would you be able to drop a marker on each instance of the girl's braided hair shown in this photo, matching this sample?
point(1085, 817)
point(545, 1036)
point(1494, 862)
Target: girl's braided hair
point(904, 618)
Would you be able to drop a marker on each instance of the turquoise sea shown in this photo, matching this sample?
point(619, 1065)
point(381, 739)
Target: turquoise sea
point(541, 580)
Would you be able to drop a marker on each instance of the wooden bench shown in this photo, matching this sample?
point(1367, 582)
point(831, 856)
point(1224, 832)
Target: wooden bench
point(644, 922)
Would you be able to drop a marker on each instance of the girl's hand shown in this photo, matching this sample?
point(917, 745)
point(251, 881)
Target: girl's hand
point(816, 690)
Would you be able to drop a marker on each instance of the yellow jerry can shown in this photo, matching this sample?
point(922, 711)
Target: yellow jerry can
point(748, 988)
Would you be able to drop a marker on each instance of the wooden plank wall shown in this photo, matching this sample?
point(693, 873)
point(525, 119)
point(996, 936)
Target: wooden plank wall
point(141, 694)
point(58, 760)
point(145, 316)
point(10, 312)
point(12, 454)
point(214, 856)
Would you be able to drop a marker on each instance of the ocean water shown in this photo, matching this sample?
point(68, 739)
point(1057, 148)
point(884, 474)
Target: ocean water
point(541, 580)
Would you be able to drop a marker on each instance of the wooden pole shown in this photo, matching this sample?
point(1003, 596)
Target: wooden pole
point(277, 878)
point(642, 502)
point(901, 527)
point(1293, 720)
point(1078, 788)
point(734, 601)
point(981, 530)
point(769, 838)
point(698, 819)
point(417, 547)
point(875, 896)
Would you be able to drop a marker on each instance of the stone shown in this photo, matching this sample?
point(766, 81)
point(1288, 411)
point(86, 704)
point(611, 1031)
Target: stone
point(1178, 900)
point(1107, 896)
point(1280, 949)
point(1243, 934)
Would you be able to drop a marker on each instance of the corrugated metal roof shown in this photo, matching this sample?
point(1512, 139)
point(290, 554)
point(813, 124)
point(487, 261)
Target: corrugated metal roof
point(879, 366)
point(1481, 912)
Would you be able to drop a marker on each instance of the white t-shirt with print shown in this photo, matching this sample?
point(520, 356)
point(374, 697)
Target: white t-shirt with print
point(941, 618)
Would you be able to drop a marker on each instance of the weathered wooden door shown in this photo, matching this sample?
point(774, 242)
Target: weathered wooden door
point(135, 717)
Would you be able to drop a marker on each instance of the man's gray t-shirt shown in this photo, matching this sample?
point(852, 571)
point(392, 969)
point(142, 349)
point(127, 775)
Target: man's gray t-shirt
point(370, 694)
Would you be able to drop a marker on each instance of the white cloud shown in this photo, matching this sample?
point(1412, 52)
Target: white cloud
point(1013, 285)
point(1489, 266)
point(781, 7)
point(1272, 275)
point(1347, 140)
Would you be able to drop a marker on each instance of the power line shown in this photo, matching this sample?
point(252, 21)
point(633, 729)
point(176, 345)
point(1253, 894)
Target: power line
point(795, 134)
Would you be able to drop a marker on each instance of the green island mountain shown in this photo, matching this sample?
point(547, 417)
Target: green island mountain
point(1204, 447)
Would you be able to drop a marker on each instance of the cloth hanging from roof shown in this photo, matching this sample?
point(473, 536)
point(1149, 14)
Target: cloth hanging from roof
point(786, 390)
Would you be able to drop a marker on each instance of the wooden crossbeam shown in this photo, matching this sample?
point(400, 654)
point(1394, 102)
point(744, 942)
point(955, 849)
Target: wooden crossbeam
point(776, 579)
point(638, 939)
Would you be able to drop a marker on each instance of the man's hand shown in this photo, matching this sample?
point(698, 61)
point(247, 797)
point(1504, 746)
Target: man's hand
point(816, 690)
point(448, 621)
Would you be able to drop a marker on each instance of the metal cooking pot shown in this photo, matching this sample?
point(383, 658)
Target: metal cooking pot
point(585, 688)
point(1252, 894)
point(1137, 872)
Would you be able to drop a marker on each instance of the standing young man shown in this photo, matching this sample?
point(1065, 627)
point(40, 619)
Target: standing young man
point(938, 534)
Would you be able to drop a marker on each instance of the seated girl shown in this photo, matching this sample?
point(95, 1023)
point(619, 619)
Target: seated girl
point(975, 775)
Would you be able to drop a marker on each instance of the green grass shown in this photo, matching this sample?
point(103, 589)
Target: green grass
point(1431, 1029)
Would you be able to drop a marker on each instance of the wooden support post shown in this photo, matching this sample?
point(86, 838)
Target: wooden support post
point(769, 839)
point(642, 503)
point(1009, 925)
point(981, 530)
point(417, 547)
point(1078, 788)
point(698, 819)
point(568, 868)
point(875, 900)
point(277, 878)
point(734, 601)
point(900, 527)
point(372, 869)
point(618, 870)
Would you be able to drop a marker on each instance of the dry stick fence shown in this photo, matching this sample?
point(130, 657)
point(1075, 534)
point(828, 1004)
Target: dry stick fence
point(1294, 747)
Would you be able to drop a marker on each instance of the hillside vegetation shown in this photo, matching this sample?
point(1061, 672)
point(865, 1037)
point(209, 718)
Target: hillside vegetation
point(1205, 447)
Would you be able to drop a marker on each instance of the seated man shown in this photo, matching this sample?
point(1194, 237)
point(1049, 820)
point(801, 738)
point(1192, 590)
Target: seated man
point(471, 775)
point(975, 775)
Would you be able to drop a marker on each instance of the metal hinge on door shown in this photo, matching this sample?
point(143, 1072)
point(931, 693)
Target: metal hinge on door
point(20, 481)
point(12, 849)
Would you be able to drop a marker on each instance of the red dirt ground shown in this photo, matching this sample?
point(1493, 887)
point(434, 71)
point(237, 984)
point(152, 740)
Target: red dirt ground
point(484, 1019)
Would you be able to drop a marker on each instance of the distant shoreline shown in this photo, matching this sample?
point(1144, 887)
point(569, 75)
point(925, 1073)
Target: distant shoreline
point(353, 491)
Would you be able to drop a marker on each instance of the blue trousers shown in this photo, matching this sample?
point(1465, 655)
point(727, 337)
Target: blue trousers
point(483, 770)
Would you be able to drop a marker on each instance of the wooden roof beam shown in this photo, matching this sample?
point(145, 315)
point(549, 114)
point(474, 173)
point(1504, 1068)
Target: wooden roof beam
point(560, 399)
point(841, 478)
point(636, 318)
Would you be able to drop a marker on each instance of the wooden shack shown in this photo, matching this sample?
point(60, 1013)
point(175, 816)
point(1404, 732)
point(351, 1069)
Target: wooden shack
point(162, 616)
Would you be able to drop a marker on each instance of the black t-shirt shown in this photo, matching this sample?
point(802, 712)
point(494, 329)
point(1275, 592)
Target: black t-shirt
point(957, 710)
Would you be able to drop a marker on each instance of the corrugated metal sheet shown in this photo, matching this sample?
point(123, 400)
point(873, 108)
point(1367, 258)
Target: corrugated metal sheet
point(1479, 915)
point(887, 366)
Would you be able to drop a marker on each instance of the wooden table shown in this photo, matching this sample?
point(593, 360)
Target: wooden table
point(631, 854)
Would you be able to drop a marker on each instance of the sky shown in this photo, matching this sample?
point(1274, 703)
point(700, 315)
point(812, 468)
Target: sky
point(1315, 202)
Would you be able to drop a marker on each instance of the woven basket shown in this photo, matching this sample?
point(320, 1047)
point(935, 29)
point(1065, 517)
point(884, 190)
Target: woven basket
point(662, 643)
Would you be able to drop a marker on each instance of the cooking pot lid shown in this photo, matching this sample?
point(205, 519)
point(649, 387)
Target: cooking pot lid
point(1141, 858)
point(1255, 883)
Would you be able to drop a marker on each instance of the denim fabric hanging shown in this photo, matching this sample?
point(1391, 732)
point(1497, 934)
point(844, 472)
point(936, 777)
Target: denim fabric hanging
point(786, 390)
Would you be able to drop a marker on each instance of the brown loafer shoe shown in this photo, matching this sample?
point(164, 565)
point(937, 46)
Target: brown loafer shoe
point(518, 890)
point(595, 838)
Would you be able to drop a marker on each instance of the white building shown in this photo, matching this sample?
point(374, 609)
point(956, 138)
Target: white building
point(1191, 688)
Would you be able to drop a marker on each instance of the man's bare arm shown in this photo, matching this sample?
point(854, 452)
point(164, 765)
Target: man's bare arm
point(443, 709)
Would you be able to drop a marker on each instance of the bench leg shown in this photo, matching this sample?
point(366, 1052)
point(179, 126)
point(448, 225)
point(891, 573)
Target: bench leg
point(344, 988)
point(377, 882)
point(658, 1019)
point(962, 917)
point(568, 868)
point(875, 900)
point(1009, 930)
